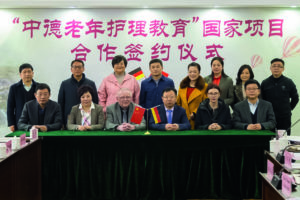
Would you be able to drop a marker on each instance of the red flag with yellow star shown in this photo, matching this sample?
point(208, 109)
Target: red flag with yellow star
point(137, 115)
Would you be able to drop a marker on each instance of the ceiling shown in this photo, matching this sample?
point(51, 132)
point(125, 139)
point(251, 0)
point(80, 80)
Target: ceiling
point(145, 3)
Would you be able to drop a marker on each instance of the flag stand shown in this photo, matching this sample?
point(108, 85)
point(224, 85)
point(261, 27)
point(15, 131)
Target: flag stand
point(147, 132)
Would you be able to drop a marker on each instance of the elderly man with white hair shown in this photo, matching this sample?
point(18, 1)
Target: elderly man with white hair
point(118, 115)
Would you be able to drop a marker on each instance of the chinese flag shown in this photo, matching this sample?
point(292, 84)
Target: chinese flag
point(165, 74)
point(155, 115)
point(137, 115)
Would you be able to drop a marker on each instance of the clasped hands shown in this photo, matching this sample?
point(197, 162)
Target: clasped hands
point(125, 127)
point(214, 126)
point(172, 127)
point(254, 127)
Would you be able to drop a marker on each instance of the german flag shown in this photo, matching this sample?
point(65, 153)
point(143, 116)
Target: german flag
point(137, 73)
point(155, 115)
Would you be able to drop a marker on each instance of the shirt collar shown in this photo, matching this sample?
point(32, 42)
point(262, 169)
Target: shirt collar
point(253, 104)
point(169, 109)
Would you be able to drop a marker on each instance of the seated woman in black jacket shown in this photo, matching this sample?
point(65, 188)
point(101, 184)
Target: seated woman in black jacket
point(213, 113)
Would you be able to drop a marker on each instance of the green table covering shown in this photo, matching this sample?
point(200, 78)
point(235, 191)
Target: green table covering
point(160, 165)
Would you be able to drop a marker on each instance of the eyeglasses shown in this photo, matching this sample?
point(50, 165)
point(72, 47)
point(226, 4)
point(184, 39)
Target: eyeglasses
point(172, 97)
point(213, 94)
point(77, 67)
point(252, 89)
point(277, 66)
point(125, 98)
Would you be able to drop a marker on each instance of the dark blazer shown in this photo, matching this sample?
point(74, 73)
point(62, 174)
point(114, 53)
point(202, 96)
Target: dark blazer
point(17, 97)
point(97, 118)
point(226, 86)
point(242, 115)
point(29, 116)
point(204, 117)
point(179, 117)
point(114, 117)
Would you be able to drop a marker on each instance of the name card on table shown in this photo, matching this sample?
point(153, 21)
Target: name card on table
point(270, 172)
point(8, 147)
point(34, 133)
point(286, 184)
point(288, 159)
point(23, 139)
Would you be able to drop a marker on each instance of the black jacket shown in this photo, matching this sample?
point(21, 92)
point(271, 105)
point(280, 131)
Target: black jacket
point(282, 93)
point(204, 117)
point(17, 97)
point(68, 97)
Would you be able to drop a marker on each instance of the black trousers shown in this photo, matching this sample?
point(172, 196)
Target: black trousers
point(284, 123)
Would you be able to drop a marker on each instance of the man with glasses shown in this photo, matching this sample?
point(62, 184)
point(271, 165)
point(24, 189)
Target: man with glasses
point(253, 113)
point(67, 96)
point(172, 117)
point(282, 93)
point(41, 113)
point(118, 115)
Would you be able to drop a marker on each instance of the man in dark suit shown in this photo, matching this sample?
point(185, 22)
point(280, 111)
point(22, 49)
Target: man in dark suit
point(41, 113)
point(253, 113)
point(118, 115)
point(20, 93)
point(67, 96)
point(172, 117)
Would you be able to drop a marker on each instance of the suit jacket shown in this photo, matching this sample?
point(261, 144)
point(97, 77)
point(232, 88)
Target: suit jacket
point(226, 86)
point(191, 105)
point(97, 118)
point(29, 117)
point(114, 117)
point(179, 117)
point(265, 115)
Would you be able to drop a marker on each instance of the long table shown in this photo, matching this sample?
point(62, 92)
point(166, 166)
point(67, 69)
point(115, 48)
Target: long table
point(159, 165)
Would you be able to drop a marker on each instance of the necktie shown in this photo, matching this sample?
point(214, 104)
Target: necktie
point(169, 116)
point(124, 116)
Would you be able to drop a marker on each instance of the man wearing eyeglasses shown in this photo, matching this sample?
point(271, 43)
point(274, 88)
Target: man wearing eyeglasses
point(282, 93)
point(67, 96)
point(253, 113)
point(118, 115)
point(172, 117)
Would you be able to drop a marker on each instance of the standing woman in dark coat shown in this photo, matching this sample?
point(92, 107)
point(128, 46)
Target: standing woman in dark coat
point(244, 74)
point(213, 113)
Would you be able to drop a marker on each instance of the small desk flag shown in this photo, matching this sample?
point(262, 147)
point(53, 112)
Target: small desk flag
point(155, 115)
point(137, 115)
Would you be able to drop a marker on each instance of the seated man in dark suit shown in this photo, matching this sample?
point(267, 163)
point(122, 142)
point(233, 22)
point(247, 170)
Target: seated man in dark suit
point(172, 117)
point(253, 113)
point(118, 115)
point(41, 113)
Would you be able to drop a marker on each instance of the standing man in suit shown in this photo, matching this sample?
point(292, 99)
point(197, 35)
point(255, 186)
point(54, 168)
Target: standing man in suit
point(253, 113)
point(281, 91)
point(20, 93)
point(118, 115)
point(172, 117)
point(67, 96)
point(41, 113)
